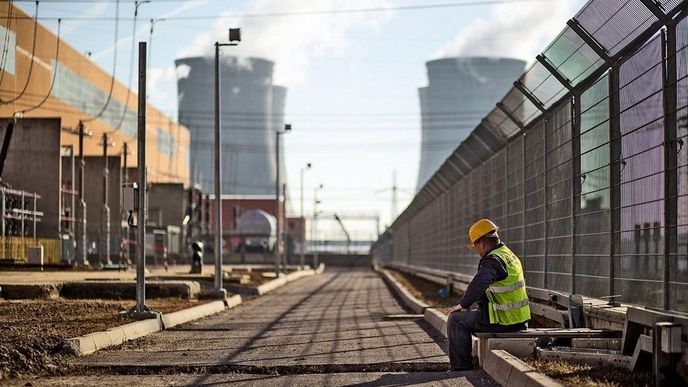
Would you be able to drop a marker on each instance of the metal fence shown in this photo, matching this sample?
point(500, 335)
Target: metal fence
point(582, 164)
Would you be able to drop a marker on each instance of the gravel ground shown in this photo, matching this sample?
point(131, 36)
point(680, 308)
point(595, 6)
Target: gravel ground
point(31, 331)
point(426, 291)
point(571, 374)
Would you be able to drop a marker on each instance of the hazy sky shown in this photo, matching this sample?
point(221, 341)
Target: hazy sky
point(352, 75)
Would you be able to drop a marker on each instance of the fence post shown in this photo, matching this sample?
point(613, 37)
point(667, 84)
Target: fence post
point(576, 179)
point(615, 160)
point(670, 157)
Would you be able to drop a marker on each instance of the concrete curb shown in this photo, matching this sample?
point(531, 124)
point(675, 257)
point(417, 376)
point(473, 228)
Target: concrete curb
point(509, 371)
point(84, 345)
point(180, 317)
point(437, 319)
point(411, 302)
point(273, 284)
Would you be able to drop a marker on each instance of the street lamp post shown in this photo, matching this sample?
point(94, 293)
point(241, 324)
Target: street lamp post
point(315, 225)
point(234, 39)
point(303, 219)
point(287, 129)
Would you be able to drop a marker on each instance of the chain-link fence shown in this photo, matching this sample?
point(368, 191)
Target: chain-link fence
point(582, 164)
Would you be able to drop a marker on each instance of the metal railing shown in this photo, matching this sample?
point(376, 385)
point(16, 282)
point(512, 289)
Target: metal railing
point(582, 164)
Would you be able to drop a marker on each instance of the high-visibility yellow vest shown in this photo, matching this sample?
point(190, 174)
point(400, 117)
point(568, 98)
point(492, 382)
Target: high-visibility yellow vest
point(508, 301)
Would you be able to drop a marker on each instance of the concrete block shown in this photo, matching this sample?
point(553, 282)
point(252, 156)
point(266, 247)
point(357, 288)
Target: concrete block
point(102, 340)
point(30, 291)
point(126, 290)
point(518, 347)
point(172, 319)
point(517, 378)
point(503, 370)
point(233, 301)
point(271, 285)
point(510, 371)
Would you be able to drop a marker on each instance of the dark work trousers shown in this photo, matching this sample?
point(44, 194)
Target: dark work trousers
point(460, 326)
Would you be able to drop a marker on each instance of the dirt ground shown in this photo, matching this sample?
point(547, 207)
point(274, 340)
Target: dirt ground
point(31, 331)
point(571, 374)
point(426, 291)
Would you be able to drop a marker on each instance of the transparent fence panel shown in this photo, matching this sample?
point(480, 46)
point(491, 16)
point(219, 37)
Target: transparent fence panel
point(614, 24)
point(678, 264)
point(593, 216)
point(514, 193)
point(639, 269)
point(502, 123)
point(543, 85)
point(520, 106)
point(572, 58)
point(559, 199)
point(499, 187)
point(533, 256)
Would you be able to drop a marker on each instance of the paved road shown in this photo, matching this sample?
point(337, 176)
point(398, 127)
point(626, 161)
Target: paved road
point(332, 329)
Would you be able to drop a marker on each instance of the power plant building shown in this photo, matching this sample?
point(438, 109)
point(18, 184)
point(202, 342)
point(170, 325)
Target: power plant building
point(50, 91)
point(460, 92)
point(252, 110)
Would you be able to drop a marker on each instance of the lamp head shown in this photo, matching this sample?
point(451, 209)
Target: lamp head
point(287, 127)
point(235, 35)
point(308, 166)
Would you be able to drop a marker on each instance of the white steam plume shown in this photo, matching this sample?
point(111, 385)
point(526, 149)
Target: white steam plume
point(291, 41)
point(519, 30)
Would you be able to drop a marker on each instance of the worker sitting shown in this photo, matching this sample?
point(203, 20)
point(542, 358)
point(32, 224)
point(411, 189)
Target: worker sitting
point(499, 289)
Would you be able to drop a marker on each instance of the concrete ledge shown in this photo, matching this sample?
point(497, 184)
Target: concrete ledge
point(83, 345)
point(175, 318)
point(30, 291)
point(411, 302)
point(509, 371)
point(127, 289)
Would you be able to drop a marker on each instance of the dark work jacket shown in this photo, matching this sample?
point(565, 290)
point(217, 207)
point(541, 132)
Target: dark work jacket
point(491, 269)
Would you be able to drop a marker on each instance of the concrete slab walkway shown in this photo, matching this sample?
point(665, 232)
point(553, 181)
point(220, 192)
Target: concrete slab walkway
point(331, 329)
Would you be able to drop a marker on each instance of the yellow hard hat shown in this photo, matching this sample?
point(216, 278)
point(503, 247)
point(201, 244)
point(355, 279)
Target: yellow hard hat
point(480, 229)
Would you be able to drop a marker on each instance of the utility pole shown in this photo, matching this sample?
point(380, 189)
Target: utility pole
point(105, 214)
point(285, 258)
point(219, 291)
point(81, 240)
point(303, 219)
point(278, 243)
point(278, 230)
point(315, 226)
point(141, 310)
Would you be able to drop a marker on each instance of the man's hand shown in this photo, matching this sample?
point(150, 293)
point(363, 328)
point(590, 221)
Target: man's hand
point(457, 308)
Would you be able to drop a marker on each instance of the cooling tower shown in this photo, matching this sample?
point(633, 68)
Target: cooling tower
point(252, 108)
point(460, 92)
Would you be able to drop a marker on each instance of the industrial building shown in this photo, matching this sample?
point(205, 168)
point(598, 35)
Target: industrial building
point(252, 111)
point(49, 88)
point(460, 92)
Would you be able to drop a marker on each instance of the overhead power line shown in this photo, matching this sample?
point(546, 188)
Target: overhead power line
point(33, 53)
point(52, 83)
point(311, 13)
point(114, 69)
